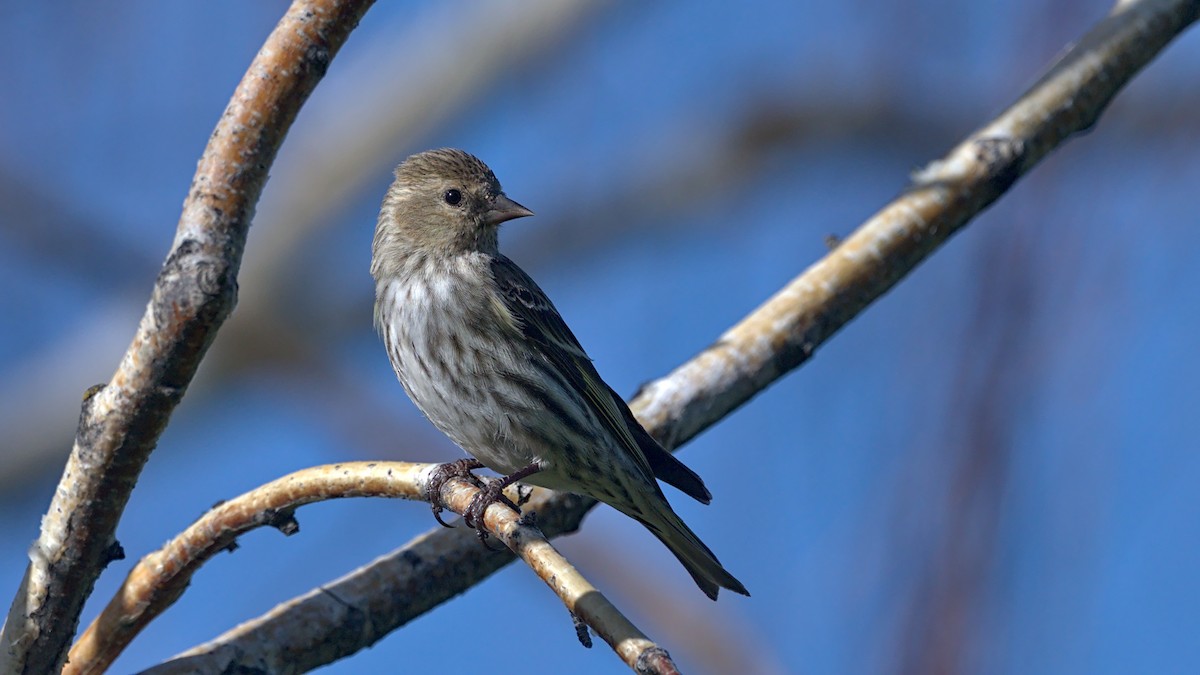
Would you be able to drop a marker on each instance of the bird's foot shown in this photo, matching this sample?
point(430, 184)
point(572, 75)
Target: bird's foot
point(490, 493)
point(461, 468)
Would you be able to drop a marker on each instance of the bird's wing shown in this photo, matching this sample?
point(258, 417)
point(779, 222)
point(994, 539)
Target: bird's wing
point(540, 322)
point(665, 465)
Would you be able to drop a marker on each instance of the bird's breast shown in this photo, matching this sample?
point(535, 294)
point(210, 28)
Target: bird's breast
point(449, 351)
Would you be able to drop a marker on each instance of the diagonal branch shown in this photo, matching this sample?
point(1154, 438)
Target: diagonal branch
point(120, 423)
point(785, 331)
point(581, 598)
point(774, 339)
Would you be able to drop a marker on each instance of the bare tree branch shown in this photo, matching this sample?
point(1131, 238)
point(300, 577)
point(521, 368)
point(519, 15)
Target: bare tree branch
point(195, 291)
point(777, 337)
point(784, 332)
point(160, 578)
point(581, 598)
point(345, 615)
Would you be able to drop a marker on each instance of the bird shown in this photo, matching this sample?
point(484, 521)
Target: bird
point(487, 358)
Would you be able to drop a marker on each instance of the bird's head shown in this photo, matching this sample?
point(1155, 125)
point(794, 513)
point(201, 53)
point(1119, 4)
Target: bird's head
point(443, 202)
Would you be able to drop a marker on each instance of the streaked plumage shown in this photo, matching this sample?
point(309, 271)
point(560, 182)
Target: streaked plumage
point(486, 357)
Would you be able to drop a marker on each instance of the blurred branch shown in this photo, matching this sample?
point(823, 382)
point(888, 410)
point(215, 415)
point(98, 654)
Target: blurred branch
point(787, 329)
point(64, 242)
point(195, 291)
point(942, 623)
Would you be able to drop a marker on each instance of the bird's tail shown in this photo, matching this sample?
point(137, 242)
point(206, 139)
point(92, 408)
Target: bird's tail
point(699, 561)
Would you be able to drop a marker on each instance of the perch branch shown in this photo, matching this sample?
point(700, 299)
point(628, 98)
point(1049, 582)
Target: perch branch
point(160, 578)
point(581, 598)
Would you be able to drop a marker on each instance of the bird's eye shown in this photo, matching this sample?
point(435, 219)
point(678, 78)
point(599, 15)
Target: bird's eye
point(452, 197)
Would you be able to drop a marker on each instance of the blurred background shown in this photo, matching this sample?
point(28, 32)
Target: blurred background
point(992, 470)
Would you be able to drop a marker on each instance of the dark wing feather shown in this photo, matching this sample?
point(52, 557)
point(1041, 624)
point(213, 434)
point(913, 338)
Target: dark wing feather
point(540, 322)
point(666, 466)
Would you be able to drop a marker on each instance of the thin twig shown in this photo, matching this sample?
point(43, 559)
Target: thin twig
point(771, 341)
point(194, 293)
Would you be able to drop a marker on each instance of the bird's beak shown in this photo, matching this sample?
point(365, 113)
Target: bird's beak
point(504, 209)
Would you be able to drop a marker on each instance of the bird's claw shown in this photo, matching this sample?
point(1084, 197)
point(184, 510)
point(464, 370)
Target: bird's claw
point(491, 493)
point(461, 468)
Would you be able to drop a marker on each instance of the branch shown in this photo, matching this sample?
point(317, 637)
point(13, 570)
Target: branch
point(581, 598)
point(194, 293)
point(785, 331)
point(160, 578)
point(774, 339)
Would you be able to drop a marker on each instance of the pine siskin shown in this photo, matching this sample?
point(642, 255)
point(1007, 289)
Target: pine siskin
point(485, 355)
